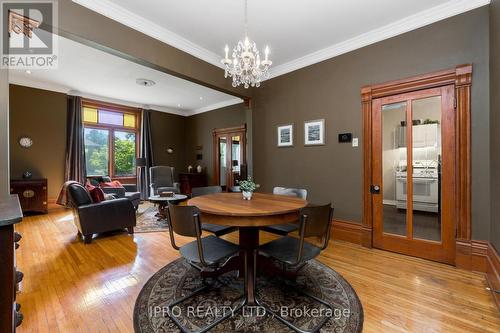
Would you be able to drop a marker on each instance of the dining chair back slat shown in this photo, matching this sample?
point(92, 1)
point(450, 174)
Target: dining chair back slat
point(199, 191)
point(184, 220)
point(316, 220)
point(291, 192)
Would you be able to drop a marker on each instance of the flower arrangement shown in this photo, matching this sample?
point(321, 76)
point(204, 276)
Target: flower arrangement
point(247, 187)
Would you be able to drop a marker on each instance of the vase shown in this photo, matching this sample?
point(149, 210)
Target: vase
point(247, 195)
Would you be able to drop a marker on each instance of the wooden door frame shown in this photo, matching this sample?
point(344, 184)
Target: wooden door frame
point(461, 78)
point(226, 131)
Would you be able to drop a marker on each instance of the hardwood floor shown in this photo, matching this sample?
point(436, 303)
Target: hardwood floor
point(72, 287)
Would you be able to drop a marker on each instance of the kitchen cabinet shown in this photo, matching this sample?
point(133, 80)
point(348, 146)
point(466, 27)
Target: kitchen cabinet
point(427, 135)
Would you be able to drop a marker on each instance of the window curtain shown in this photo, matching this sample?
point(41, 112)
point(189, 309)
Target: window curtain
point(146, 152)
point(75, 148)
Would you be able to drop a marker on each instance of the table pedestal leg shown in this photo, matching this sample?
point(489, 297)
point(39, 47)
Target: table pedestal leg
point(249, 243)
point(162, 211)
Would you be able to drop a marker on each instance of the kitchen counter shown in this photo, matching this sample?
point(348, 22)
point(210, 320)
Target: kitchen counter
point(10, 211)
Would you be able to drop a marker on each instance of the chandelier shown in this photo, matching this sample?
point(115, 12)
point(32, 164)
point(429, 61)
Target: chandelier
point(245, 66)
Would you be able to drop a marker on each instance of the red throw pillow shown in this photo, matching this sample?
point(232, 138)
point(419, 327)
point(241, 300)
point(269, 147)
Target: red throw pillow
point(114, 183)
point(97, 195)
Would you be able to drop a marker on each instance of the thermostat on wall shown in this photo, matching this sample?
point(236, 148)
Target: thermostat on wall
point(345, 137)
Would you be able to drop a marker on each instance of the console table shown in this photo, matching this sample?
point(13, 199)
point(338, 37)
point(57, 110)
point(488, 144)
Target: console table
point(190, 180)
point(10, 214)
point(32, 194)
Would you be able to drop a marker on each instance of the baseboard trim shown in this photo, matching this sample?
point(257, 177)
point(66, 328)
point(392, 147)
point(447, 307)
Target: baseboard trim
point(472, 255)
point(52, 204)
point(347, 231)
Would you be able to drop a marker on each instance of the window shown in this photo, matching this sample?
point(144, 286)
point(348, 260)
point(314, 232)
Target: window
point(111, 139)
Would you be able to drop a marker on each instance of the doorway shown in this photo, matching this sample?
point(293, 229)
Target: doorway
point(230, 163)
point(414, 173)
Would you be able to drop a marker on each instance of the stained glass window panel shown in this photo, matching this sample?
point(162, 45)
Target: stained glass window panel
point(110, 118)
point(128, 120)
point(89, 115)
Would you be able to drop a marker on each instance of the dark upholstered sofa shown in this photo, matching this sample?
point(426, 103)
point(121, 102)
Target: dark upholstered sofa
point(93, 218)
point(128, 191)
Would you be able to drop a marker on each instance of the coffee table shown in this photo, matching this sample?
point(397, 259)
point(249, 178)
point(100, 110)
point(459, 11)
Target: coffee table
point(162, 203)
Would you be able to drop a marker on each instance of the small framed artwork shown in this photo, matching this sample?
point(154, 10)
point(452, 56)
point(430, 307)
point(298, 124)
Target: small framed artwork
point(314, 132)
point(285, 135)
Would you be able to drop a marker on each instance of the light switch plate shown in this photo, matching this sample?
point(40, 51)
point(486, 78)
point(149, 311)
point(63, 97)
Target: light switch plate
point(355, 142)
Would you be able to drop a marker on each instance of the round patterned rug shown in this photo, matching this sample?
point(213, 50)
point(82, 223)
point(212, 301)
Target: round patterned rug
point(178, 279)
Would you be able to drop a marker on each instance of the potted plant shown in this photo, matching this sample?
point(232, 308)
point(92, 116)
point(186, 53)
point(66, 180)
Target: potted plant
point(247, 188)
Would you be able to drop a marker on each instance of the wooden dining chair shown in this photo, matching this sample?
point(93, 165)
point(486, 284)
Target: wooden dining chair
point(217, 230)
point(294, 253)
point(285, 229)
point(204, 253)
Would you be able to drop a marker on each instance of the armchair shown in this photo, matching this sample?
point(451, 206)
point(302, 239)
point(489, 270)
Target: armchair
point(92, 218)
point(162, 180)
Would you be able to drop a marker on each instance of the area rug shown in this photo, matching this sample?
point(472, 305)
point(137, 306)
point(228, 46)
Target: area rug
point(178, 279)
point(147, 221)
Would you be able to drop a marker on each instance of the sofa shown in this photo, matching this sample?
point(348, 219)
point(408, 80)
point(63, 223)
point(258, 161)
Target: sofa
point(128, 191)
point(93, 218)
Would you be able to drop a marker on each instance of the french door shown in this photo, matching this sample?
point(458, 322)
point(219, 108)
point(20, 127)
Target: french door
point(230, 164)
point(414, 173)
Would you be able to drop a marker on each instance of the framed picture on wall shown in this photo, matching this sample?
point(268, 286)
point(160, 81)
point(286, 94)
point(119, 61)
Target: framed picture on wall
point(285, 135)
point(314, 132)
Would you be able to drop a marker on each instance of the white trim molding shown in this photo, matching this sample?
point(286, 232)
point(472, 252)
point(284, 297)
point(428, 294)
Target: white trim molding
point(412, 22)
point(149, 28)
point(64, 90)
point(215, 106)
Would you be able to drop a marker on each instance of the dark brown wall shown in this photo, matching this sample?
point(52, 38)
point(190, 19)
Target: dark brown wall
point(495, 121)
point(200, 129)
point(331, 90)
point(41, 115)
point(169, 130)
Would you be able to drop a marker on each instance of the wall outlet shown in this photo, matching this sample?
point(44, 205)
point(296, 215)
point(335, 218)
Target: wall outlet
point(355, 142)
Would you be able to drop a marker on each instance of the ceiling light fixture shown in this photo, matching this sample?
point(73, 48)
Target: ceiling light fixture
point(145, 82)
point(245, 67)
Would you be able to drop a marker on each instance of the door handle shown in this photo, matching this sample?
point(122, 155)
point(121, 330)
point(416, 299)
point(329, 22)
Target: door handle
point(374, 189)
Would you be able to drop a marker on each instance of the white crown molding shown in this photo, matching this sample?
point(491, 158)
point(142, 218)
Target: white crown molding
point(32, 83)
point(215, 106)
point(418, 20)
point(147, 27)
point(65, 90)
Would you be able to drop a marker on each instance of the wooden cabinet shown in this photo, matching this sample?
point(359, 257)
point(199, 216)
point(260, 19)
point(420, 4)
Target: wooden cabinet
point(427, 135)
point(190, 180)
point(32, 194)
point(10, 277)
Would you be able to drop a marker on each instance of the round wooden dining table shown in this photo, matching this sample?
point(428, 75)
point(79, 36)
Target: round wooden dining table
point(229, 209)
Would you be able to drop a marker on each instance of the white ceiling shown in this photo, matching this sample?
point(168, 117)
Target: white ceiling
point(100, 75)
point(299, 32)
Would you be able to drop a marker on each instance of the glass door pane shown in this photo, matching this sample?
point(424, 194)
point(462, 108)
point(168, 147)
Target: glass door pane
point(96, 151)
point(394, 168)
point(222, 161)
point(124, 153)
point(426, 114)
point(236, 159)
